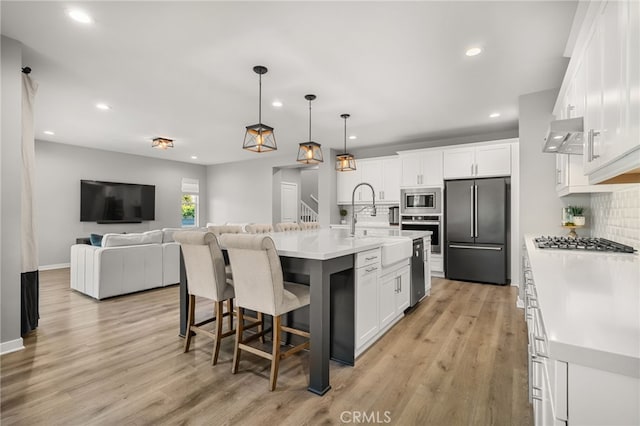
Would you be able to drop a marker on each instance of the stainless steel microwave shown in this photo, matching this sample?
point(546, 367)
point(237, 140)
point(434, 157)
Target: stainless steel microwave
point(421, 201)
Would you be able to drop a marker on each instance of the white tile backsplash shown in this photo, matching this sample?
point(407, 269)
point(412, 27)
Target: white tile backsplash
point(382, 214)
point(616, 216)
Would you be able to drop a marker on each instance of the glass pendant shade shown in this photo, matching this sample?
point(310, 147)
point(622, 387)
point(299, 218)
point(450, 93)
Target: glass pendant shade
point(162, 143)
point(259, 137)
point(345, 162)
point(310, 153)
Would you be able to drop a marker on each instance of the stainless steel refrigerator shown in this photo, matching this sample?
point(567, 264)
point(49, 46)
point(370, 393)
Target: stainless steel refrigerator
point(477, 230)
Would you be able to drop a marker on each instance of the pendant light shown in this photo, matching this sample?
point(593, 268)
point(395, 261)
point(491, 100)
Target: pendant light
point(259, 137)
point(310, 152)
point(345, 162)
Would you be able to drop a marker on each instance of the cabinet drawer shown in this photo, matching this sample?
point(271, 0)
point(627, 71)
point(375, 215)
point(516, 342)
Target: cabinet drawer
point(366, 258)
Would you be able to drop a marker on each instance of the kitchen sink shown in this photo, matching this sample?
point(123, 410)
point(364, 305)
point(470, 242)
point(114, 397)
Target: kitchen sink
point(396, 249)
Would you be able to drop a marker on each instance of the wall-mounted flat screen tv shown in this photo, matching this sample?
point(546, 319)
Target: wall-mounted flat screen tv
point(113, 202)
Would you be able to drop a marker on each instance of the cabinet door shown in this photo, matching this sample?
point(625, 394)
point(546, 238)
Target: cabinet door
point(493, 160)
point(562, 171)
point(632, 92)
point(371, 174)
point(366, 304)
point(432, 168)
point(388, 290)
point(593, 106)
point(346, 181)
point(391, 180)
point(613, 29)
point(411, 170)
point(458, 163)
point(404, 289)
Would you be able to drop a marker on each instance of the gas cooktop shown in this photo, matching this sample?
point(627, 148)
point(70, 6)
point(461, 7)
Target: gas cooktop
point(581, 243)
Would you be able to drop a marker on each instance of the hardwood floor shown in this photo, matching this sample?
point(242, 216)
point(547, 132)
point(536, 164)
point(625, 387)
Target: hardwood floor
point(458, 359)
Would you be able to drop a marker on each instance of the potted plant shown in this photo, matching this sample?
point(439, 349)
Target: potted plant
point(577, 214)
point(343, 215)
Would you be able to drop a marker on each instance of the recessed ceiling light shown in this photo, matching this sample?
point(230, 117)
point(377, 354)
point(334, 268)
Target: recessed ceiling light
point(276, 104)
point(558, 137)
point(353, 137)
point(194, 157)
point(80, 16)
point(103, 107)
point(48, 132)
point(494, 115)
point(473, 51)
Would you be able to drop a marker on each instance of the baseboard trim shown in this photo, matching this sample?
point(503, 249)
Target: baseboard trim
point(11, 346)
point(54, 266)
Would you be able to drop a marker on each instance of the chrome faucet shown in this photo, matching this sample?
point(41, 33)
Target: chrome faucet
point(353, 210)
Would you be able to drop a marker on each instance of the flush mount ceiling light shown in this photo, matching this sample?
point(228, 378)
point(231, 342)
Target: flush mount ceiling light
point(345, 162)
point(353, 137)
point(103, 106)
point(310, 152)
point(162, 143)
point(473, 51)
point(494, 115)
point(48, 132)
point(276, 103)
point(259, 137)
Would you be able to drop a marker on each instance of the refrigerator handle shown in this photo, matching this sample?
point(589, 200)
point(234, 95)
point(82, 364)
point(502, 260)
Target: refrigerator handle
point(475, 205)
point(471, 208)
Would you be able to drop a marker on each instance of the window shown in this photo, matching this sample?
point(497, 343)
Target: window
point(190, 198)
point(189, 210)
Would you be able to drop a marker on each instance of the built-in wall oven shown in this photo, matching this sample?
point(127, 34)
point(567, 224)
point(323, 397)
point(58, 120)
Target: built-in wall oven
point(425, 223)
point(421, 201)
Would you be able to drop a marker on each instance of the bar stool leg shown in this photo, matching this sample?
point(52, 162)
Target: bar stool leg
point(275, 360)
point(218, 338)
point(260, 326)
point(230, 311)
point(190, 321)
point(236, 348)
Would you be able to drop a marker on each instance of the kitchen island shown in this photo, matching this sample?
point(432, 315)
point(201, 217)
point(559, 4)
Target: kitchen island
point(324, 259)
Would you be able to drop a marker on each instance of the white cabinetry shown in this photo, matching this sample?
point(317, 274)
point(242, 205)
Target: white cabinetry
point(422, 168)
point(381, 173)
point(345, 182)
point(477, 161)
point(381, 297)
point(367, 273)
point(394, 292)
point(606, 65)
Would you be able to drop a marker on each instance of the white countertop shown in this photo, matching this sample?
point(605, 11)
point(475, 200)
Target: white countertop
point(590, 305)
point(322, 244)
point(366, 225)
point(385, 231)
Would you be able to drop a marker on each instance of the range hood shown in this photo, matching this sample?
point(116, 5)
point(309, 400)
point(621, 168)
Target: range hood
point(565, 136)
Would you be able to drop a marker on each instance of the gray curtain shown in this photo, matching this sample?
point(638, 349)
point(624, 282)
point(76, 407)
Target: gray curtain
point(29, 277)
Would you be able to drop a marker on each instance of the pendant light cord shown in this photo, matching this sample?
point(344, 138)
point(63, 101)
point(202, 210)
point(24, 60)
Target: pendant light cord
point(345, 135)
point(260, 98)
point(309, 120)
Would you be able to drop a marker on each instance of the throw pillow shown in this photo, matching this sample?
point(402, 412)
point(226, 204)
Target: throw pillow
point(96, 239)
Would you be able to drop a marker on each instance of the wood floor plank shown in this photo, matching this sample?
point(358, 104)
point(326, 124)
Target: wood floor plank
point(458, 358)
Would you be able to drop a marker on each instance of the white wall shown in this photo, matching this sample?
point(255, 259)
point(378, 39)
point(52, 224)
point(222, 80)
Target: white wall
point(59, 169)
point(10, 174)
point(243, 191)
point(540, 206)
point(309, 186)
point(290, 175)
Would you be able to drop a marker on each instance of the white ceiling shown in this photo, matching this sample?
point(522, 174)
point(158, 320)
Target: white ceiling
point(184, 70)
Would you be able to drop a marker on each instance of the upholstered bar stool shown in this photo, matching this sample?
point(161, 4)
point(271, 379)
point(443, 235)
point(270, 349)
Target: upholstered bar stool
point(309, 225)
point(206, 277)
point(258, 228)
point(225, 229)
point(260, 286)
point(287, 226)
